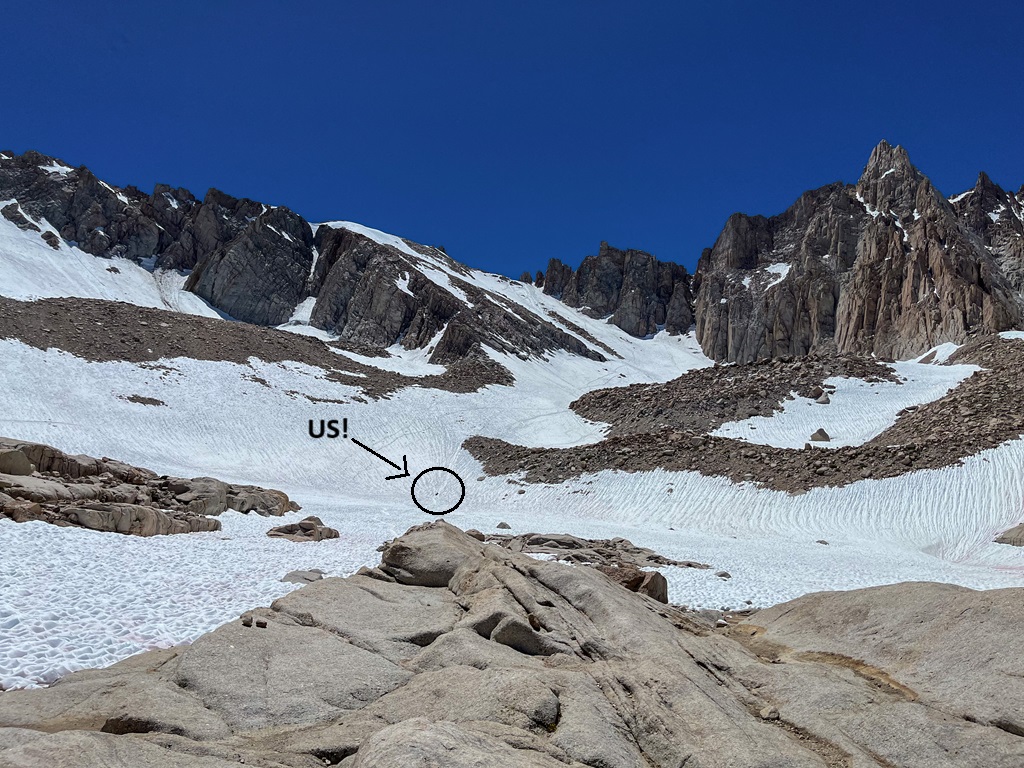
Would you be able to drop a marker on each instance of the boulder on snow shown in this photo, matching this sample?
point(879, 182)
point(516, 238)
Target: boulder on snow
point(311, 528)
point(821, 436)
point(303, 577)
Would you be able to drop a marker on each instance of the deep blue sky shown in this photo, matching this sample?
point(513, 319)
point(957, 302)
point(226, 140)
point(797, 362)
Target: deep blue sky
point(514, 132)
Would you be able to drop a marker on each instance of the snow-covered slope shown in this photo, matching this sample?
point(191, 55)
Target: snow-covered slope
point(31, 269)
point(75, 598)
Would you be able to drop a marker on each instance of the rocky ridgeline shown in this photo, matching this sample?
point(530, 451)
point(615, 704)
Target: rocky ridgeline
point(887, 266)
point(102, 331)
point(979, 414)
point(633, 289)
point(39, 482)
point(702, 400)
point(258, 263)
point(458, 653)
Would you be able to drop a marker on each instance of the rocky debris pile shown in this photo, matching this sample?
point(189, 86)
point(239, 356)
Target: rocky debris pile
point(703, 399)
point(618, 558)
point(782, 469)
point(40, 482)
point(887, 267)
point(311, 528)
point(458, 653)
point(1014, 537)
point(105, 330)
point(979, 414)
point(634, 290)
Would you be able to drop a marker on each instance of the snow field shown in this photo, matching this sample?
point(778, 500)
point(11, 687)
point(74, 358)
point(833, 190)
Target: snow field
point(30, 269)
point(72, 599)
point(75, 599)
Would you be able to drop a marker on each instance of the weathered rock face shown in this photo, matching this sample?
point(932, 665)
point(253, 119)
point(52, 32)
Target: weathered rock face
point(260, 274)
point(886, 267)
point(261, 264)
point(459, 653)
point(997, 218)
point(108, 495)
point(634, 290)
point(381, 293)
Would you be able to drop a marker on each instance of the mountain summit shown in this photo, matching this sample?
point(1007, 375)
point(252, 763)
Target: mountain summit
point(886, 267)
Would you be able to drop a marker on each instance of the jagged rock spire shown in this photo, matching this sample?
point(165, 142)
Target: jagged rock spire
point(890, 182)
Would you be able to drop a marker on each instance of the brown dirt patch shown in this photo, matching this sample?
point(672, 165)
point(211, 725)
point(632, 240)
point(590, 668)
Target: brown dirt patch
point(704, 399)
point(104, 331)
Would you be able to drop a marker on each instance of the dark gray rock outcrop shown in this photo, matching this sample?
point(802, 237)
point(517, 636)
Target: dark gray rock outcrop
point(380, 294)
point(260, 274)
point(259, 264)
point(458, 653)
point(633, 289)
point(170, 226)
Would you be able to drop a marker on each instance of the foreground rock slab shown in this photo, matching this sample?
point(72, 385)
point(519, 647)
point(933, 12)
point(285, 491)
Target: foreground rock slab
point(457, 652)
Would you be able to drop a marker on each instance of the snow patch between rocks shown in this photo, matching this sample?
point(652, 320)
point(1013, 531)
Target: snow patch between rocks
point(858, 411)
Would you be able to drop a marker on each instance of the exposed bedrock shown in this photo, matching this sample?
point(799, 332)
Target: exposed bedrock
point(455, 652)
point(40, 482)
point(887, 267)
point(633, 289)
point(265, 264)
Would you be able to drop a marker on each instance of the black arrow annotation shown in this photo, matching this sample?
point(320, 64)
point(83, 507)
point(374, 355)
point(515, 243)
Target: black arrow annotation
point(405, 461)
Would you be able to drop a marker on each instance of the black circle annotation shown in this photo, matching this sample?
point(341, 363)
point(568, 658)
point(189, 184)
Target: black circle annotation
point(453, 507)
